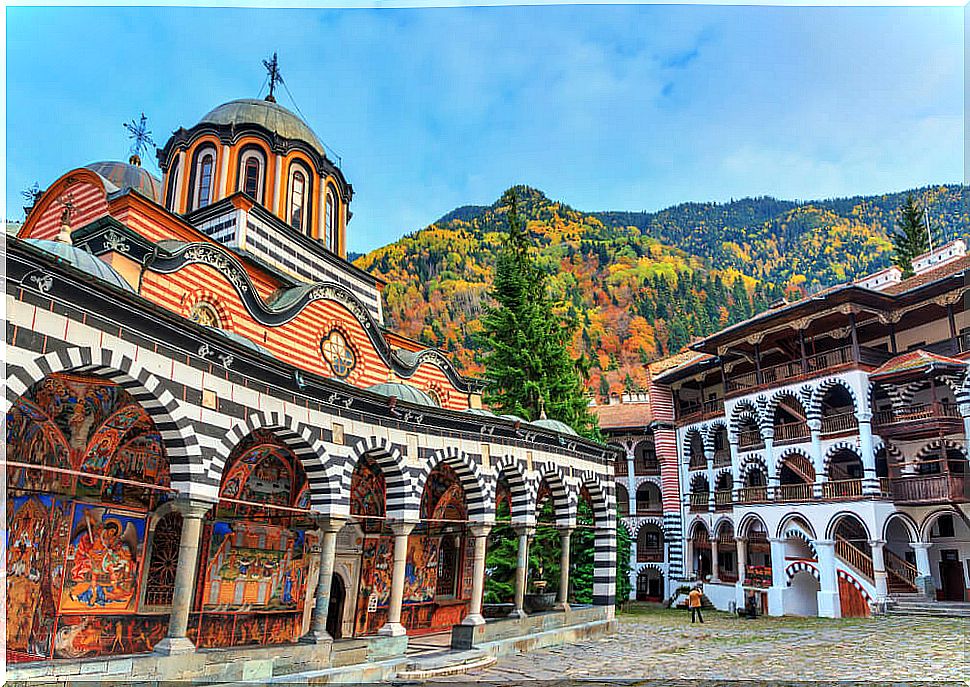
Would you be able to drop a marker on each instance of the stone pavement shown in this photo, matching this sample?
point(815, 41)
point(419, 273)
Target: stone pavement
point(662, 644)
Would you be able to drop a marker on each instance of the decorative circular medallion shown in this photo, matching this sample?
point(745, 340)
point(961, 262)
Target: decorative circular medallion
point(338, 354)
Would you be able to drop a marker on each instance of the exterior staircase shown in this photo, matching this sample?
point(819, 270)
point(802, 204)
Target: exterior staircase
point(917, 604)
point(446, 662)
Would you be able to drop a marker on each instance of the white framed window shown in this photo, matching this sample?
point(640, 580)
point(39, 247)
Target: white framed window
point(205, 162)
point(330, 222)
point(298, 205)
point(252, 172)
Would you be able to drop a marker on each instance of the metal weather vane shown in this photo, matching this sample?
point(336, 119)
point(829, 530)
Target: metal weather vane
point(141, 138)
point(273, 68)
point(32, 193)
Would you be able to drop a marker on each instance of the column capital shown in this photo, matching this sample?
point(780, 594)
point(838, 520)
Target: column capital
point(864, 417)
point(401, 528)
point(330, 523)
point(921, 544)
point(776, 540)
point(566, 529)
point(740, 540)
point(825, 542)
point(480, 529)
point(527, 530)
point(877, 542)
point(192, 508)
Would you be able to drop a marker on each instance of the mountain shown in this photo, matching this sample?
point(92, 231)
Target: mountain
point(644, 284)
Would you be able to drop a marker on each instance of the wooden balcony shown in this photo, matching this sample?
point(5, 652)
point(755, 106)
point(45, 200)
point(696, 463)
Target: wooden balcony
point(930, 489)
point(791, 433)
point(750, 439)
point(699, 501)
point(752, 494)
point(812, 366)
point(794, 492)
point(649, 508)
point(842, 489)
point(722, 458)
point(723, 499)
point(648, 465)
point(839, 422)
point(688, 414)
point(919, 420)
point(697, 462)
point(650, 555)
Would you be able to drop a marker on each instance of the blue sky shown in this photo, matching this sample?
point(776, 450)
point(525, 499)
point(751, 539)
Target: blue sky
point(603, 107)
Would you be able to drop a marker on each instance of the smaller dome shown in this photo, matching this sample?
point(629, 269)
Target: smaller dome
point(240, 339)
point(556, 426)
point(126, 176)
point(513, 418)
point(82, 260)
point(404, 392)
point(480, 411)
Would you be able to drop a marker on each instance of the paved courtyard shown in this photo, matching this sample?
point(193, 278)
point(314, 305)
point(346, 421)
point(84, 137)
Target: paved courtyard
point(661, 644)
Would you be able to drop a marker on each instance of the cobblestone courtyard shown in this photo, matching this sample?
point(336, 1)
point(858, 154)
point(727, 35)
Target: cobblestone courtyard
point(661, 644)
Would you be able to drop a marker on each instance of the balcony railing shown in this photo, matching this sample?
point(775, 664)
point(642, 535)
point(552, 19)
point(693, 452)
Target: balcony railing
point(723, 499)
point(791, 432)
point(931, 489)
point(695, 412)
point(812, 365)
point(752, 494)
point(722, 458)
point(917, 412)
point(699, 500)
point(842, 489)
point(650, 555)
point(647, 465)
point(854, 556)
point(620, 468)
point(697, 461)
point(794, 492)
point(649, 508)
point(750, 439)
point(839, 421)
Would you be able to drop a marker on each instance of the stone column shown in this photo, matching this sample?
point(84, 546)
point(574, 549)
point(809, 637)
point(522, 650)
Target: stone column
point(479, 533)
point(715, 572)
point(870, 483)
point(742, 545)
point(329, 527)
point(776, 593)
point(192, 513)
point(562, 598)
point(879, 569)
point(525, 533)
point(924, 582)
point(828, 594)
point(689, 571)
point(818, 458)
point(393, 626)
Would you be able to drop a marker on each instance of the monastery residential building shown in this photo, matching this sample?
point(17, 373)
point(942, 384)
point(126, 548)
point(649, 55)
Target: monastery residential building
point(815, 454)
point(214, 442)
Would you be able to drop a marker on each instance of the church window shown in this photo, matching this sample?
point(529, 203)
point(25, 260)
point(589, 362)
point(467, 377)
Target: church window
point(329, 223)
point(338, 354)
point(204, 314)
point(203, 193)
point(299, 198)
point(160, 583)
point(251, 166)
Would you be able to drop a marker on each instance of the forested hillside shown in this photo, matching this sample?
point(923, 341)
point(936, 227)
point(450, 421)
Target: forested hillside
point(642, 285)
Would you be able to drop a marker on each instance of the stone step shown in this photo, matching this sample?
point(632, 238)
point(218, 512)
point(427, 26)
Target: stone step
point(443, 663)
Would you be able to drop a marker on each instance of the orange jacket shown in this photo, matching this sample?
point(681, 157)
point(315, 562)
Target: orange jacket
point(694, 599)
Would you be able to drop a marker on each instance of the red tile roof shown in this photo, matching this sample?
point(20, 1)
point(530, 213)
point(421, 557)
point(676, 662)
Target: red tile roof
point(930, 275)
point(623, 415)
point(914, 363)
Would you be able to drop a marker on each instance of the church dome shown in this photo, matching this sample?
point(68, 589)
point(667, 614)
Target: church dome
point(126, 176)
point(404, 392)
point(83, 261)
point(556, 426)
point(271, 116)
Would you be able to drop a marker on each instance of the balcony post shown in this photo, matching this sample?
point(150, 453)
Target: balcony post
point(818, 458)
point(828, 594)
point(870, 483)
point(892, 338)
point(801, 346)
point(879, 569)
point(856, 354)
point(924, 582)
point(757, 364)
point(562, 596)
point(769, 438)
point(954, 345)
point(631, 480)
point(776, 593)
point(715, 570)
point(689, 570)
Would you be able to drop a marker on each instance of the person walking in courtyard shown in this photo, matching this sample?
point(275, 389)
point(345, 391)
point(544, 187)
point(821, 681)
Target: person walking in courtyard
point(694, 603)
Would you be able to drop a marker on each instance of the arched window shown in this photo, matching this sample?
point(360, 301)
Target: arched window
point(173, 174)
point(205, 162)
point(299, 198)
point(252, 162)
point(160, 583)
point(329, 225)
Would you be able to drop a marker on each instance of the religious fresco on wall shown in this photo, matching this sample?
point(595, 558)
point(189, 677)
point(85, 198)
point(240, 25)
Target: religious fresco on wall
point(74, 424)
point(86, 465)
point(103, 560)
point(468, 569)
point(443, 497)
point(259, 553)
point(421, 571)
point(368, 492)
point(377, 563)
point(81, 636)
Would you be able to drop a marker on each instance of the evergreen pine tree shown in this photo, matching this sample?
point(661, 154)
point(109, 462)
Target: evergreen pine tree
point(527, 359)
point(910, 238)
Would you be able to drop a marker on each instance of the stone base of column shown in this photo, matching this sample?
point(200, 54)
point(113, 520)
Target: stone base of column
point(392, 630)
point(172, 646)
point(476, 619)
point(828, 605)
point(313, 637)
point(926, 586)
point(518, 613)
point(561, 606)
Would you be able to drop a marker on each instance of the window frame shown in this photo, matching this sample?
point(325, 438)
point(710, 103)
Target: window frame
point(248, 153)
point(306, 224)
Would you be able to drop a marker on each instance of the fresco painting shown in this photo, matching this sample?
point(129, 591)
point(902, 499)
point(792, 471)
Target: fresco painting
point(421, 571)
point(81, 636)
point(377, 563)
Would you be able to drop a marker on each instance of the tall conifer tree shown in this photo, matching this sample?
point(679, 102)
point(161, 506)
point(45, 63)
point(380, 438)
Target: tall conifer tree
point(527, 359)
point(911, 238)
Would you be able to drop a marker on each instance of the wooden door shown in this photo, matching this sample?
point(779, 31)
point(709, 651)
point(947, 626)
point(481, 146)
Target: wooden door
point(951, 576)
point(852, 601)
